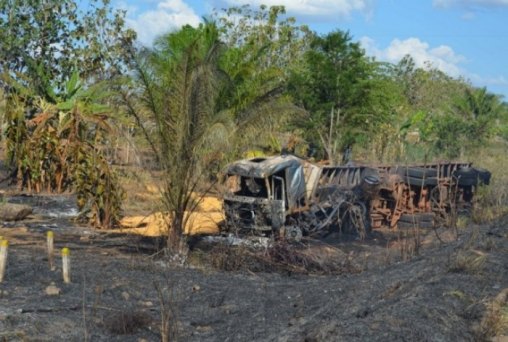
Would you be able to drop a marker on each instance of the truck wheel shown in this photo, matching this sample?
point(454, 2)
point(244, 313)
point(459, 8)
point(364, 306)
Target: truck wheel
point(417, 172)
point(483, 175)
point(431, 181)
point(466, 176)
point(423, 224)
point(468, 181)
point(421, 220)
point(417, 217)
point(293, 233)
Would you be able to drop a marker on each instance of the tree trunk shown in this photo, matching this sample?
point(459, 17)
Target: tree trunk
point(177, 243)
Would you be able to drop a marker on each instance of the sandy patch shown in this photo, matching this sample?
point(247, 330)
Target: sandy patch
point(203, 221)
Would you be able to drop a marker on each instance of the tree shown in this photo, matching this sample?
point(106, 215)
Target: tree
point(60, 149)
point(427, 88)
point(481, 110)
point(43, 42)
point(431, 96)
point(503, 122)
point(342, 90)
point(181, 85)
point(263, 46)
point(265, 36)
point(53, 127)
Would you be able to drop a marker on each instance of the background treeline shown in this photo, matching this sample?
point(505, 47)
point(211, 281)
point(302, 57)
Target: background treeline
point(74, 85)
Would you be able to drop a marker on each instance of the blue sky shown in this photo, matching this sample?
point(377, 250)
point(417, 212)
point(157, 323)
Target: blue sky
point(465, 38)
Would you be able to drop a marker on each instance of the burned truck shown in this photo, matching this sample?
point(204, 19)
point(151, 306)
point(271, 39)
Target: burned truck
point(292, 197)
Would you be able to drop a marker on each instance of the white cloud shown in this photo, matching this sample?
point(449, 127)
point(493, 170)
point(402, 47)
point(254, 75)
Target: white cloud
point(499, 81)
point(470, 3)
point(441, 57)
point(325, 8)
point(127, 7)
point(168, 15)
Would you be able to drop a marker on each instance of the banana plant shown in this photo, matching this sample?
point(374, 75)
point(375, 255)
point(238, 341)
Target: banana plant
point(59, 149)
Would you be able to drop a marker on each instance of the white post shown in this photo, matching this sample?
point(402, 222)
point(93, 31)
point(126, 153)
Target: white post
point(51, 250)
point(3, 258)
point(66, 264)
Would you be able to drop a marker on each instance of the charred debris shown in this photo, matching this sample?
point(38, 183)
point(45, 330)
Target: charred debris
point(290, 197)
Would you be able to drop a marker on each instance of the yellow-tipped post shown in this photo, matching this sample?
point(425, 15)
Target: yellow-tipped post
point(4, 244)
point(51, 250)
point(66, 264)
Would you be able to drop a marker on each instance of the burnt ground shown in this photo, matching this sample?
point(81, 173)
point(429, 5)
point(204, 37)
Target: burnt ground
point(441, 292)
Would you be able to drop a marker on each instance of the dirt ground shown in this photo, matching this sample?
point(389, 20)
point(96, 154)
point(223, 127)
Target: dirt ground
point(203, 221)
point(121, 288)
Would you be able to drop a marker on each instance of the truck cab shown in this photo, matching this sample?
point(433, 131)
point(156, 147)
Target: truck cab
point(261, 192)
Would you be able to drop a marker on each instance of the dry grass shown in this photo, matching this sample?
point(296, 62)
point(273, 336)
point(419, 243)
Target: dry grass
point(408, 241)
point(141, 187)
point(491, 202)
point(463, 222)
point(168, 322)
point(495, 319)
point(467, 261)
point(283, 257)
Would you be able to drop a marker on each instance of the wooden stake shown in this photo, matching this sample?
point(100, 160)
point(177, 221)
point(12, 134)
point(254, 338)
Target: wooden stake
point(51, 251)
point(66, 264)
point(3, 258)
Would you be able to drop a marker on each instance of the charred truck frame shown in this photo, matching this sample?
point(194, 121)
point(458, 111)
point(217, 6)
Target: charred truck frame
point(293, 197)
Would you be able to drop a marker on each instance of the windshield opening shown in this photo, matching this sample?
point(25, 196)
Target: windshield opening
point(247, 186)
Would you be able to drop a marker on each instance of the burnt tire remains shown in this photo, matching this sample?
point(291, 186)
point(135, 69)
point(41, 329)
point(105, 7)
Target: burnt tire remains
point(420, 220)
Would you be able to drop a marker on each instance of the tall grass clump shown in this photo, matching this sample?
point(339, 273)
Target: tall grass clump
point(491, 201)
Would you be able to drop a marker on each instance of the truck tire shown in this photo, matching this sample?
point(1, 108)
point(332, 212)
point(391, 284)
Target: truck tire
point(417, 172)
point(421, 220)
point(431, 181)
point(468, 181)
point(293, 233)
point(406, 225)
point(466, 176)
point(417, 217)
point(483, 175)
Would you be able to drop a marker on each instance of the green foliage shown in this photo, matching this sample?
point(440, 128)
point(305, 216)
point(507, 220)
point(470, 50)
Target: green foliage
point(188, 86)
point(97, 188)
point(451, 135)
point(59, 150)
point(347, 94)
point(55, 125)
point(472, 117)
point(245, 80)
point(43, 42)
point(449, 115)
point(481, 110)
point(264, 37)
point(427, 89)
point(261, 48)
point(180, 82)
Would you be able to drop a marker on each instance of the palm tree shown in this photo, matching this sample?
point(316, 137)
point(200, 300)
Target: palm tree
point(182, 87)
point(480, 109)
